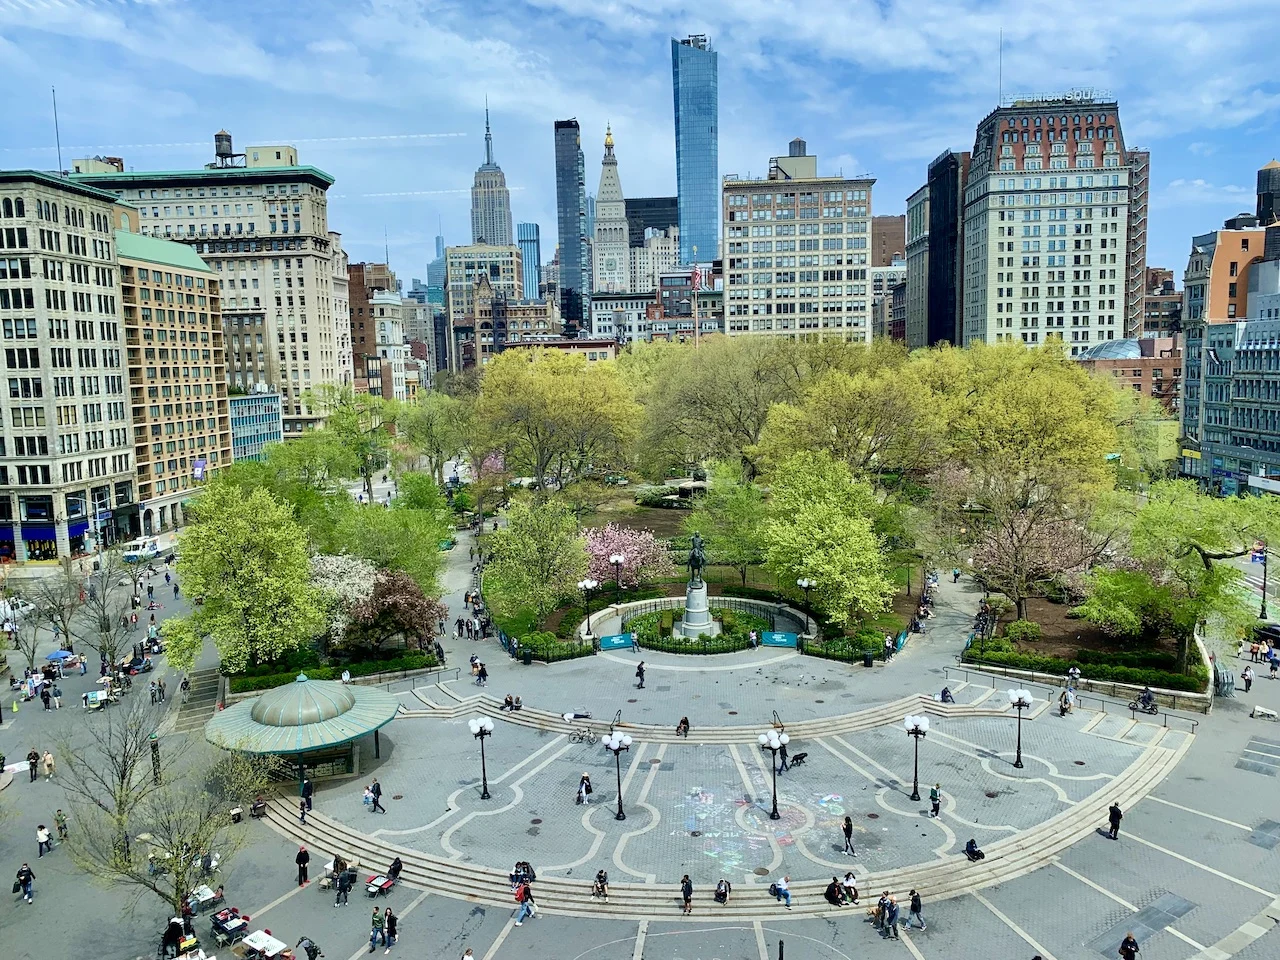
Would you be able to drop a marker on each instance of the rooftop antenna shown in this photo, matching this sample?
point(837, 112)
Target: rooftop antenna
point(386, 245)
point(57, 135)
point(1000, 71)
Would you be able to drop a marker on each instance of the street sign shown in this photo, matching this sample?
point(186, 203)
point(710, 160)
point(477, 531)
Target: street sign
point(617, 641)
point(773, 639)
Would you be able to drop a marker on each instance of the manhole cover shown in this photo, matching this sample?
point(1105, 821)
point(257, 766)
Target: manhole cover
point(1079, 763)
point(819, 701)
point(536, 820)
point(733, 713)
point(761, 871)
point(873, 816)
point(655, 760)
point(397, 796)
point(695, 833)
point(632, 701)
point(992, 794)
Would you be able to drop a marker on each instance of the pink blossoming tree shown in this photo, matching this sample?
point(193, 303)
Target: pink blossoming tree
point(646, 557)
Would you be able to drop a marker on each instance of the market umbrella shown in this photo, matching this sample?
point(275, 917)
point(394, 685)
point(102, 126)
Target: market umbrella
point(59, 655)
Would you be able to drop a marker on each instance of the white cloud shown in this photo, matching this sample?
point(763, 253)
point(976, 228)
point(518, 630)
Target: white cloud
point(1185, 192)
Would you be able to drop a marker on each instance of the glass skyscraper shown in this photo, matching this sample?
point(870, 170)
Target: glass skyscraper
point(695, 87)
point(530, 239)
point(571, 221)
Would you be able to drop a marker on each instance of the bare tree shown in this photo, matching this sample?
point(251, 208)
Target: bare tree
point(104, 626)
point(58, 599)
point(26, 637)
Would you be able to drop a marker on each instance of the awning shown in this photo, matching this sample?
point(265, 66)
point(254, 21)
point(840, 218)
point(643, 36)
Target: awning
point(39, 531)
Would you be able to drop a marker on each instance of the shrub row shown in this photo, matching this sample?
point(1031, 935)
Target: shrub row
point(846, 649)
point(999, 651)
point(245, 683)
point(653, 631)
point(548, 648)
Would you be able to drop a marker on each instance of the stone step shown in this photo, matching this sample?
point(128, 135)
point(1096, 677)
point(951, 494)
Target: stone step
point(936, 880)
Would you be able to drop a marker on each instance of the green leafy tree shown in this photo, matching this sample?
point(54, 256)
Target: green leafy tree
point(539, 555)
point(247, 558)
point(820, 527)
point(357, 427)
point(395, 539)
point(730, 515)
point(419, 491)
point(432, 430)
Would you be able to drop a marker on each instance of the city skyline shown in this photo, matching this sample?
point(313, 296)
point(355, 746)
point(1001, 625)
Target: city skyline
point(916, 97)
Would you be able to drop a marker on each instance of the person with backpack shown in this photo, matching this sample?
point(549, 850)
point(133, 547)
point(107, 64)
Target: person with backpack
point(686, 893)
point(524, 897)
point(640, 676)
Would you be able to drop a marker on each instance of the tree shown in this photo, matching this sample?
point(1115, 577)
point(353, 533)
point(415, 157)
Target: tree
point(395, 538)
point(59, 598)
point(554, 415)
point(105, 625)
point(247, 558)
point(419, 491)
point(539, 556)
point(26, 638)
point(820, 527)
point(644, 558)
point(730, 516)
point(432, 428)
point(357, 425)
point(343, 582)
point(395, 608)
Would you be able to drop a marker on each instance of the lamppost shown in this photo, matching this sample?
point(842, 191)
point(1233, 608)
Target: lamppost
point(616, 742)
point(91, 509)
point(586, 586)
point(773, 742)
point(917, 727)
point(1262, 614)
point(805, 584)
point(482, 727)
point(1020, 700)
point(618, 560)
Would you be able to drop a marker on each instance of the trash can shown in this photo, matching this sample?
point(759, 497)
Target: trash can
point(528, 657)
point(868, 658)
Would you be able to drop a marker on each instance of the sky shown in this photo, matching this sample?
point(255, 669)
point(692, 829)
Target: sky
point(388, 95)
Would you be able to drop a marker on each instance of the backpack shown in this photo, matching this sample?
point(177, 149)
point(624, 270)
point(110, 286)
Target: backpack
point(773, 889)
point(521, 893)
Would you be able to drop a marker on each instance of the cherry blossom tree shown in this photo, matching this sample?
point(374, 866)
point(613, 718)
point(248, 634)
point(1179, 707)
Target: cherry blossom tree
point(646, 557)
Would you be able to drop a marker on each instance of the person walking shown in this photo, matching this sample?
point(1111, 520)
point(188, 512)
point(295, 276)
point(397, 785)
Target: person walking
point(43, 841)
point(935, 799)
point(376, 789)
point(640, 675)
point(302, 811)
point(302, 860)
point(891, 915)
point(915, 911)
point(46, 698)
point(151, 593)
point(782, 756)
point(781, 891)
point(48, 765)
point(848, 837)
point(955, 574)
point(1129, 947)
point(343, 885)
point(60, 821)
point(33, 761)
point(584, 789)
point(152, 688)
point(524, 897)
point(1114, 816)
point(686, 893)
point(377, 929)
point(57, 697)
point(160, 692)
point(389, 927)
point(175, 591)
point(26, 881)
point(1247, 676)
point(308, 788)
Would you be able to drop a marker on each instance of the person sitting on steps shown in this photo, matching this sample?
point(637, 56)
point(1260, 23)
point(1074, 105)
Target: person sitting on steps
point(723, 889)
point(600, 889)
point(682, 728)
point(971, 850)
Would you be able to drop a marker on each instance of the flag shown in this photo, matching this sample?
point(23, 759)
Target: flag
point(696, 281)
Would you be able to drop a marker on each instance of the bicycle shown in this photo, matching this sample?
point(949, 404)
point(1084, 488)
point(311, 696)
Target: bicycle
point(581, 735)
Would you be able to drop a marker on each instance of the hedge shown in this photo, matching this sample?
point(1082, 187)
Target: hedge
point(1023, 630)
point(1094, 665)
point(847, 649)
point(652, 632)
point(245, 683)
point(548, 648)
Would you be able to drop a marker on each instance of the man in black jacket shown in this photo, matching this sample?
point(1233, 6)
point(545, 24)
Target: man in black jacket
point(302, 859)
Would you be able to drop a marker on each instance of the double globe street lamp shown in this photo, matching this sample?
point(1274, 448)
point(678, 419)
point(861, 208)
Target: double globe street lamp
point(1020, 700)
point(615, 743)
point(482, 727)
point(586, 586)
point(917, 727)
point(618, 560)
point(773, 741)
point(805, 584)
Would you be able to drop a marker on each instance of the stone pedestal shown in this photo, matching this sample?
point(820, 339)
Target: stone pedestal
point(697, 614)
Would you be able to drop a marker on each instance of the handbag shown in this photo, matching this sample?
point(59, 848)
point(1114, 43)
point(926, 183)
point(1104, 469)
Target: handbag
point(773, 889)
point(17, 885)
point(588, 788)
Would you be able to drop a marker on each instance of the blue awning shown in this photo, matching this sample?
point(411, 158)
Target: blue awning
point(77, 528)
point(39, 531)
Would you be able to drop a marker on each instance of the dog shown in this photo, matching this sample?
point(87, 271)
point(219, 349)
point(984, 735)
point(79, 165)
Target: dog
point(796, 760)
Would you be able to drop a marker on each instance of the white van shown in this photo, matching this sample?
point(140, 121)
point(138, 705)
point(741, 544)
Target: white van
point(141, 550)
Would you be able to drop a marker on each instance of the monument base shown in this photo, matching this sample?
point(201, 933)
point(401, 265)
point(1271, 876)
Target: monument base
point(697, 620)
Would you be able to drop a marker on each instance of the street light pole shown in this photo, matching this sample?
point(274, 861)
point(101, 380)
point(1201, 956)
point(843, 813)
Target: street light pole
point(773, 742)
point(617, 560)
point(1262, 614)
point(615, 743)
point(917, 728)
point(586, 586)
point(805, 584)
point(1020, 700)
point(480, 728)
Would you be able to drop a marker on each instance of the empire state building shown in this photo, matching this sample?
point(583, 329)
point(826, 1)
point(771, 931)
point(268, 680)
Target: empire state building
point(490, 199)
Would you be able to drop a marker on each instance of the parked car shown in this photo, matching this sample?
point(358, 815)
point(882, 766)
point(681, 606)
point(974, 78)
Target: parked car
point(15, 608)
point(141, 550)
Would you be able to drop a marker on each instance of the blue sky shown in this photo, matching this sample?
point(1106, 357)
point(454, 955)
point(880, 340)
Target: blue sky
point(876, 87)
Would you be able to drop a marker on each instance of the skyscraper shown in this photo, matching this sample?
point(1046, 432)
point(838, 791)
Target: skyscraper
point(529, 236)
point(490, 199)
point(695, 89)
point(571, 221)
point(611, 265)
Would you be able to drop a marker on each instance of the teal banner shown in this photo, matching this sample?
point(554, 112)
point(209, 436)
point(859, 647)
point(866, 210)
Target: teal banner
point(770, 639)
point(618, 641)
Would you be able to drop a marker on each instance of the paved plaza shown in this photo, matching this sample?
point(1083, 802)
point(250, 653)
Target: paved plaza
point(1194, 873)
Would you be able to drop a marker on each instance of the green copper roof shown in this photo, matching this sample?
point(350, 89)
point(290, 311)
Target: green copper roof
point(205, 175)
point(134, 246)
point(58, 182)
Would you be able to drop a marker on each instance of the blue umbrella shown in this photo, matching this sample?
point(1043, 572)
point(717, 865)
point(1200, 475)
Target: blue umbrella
point(59, 655)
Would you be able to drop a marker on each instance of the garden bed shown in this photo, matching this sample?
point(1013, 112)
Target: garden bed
point(250, 683)
point(653, 631)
